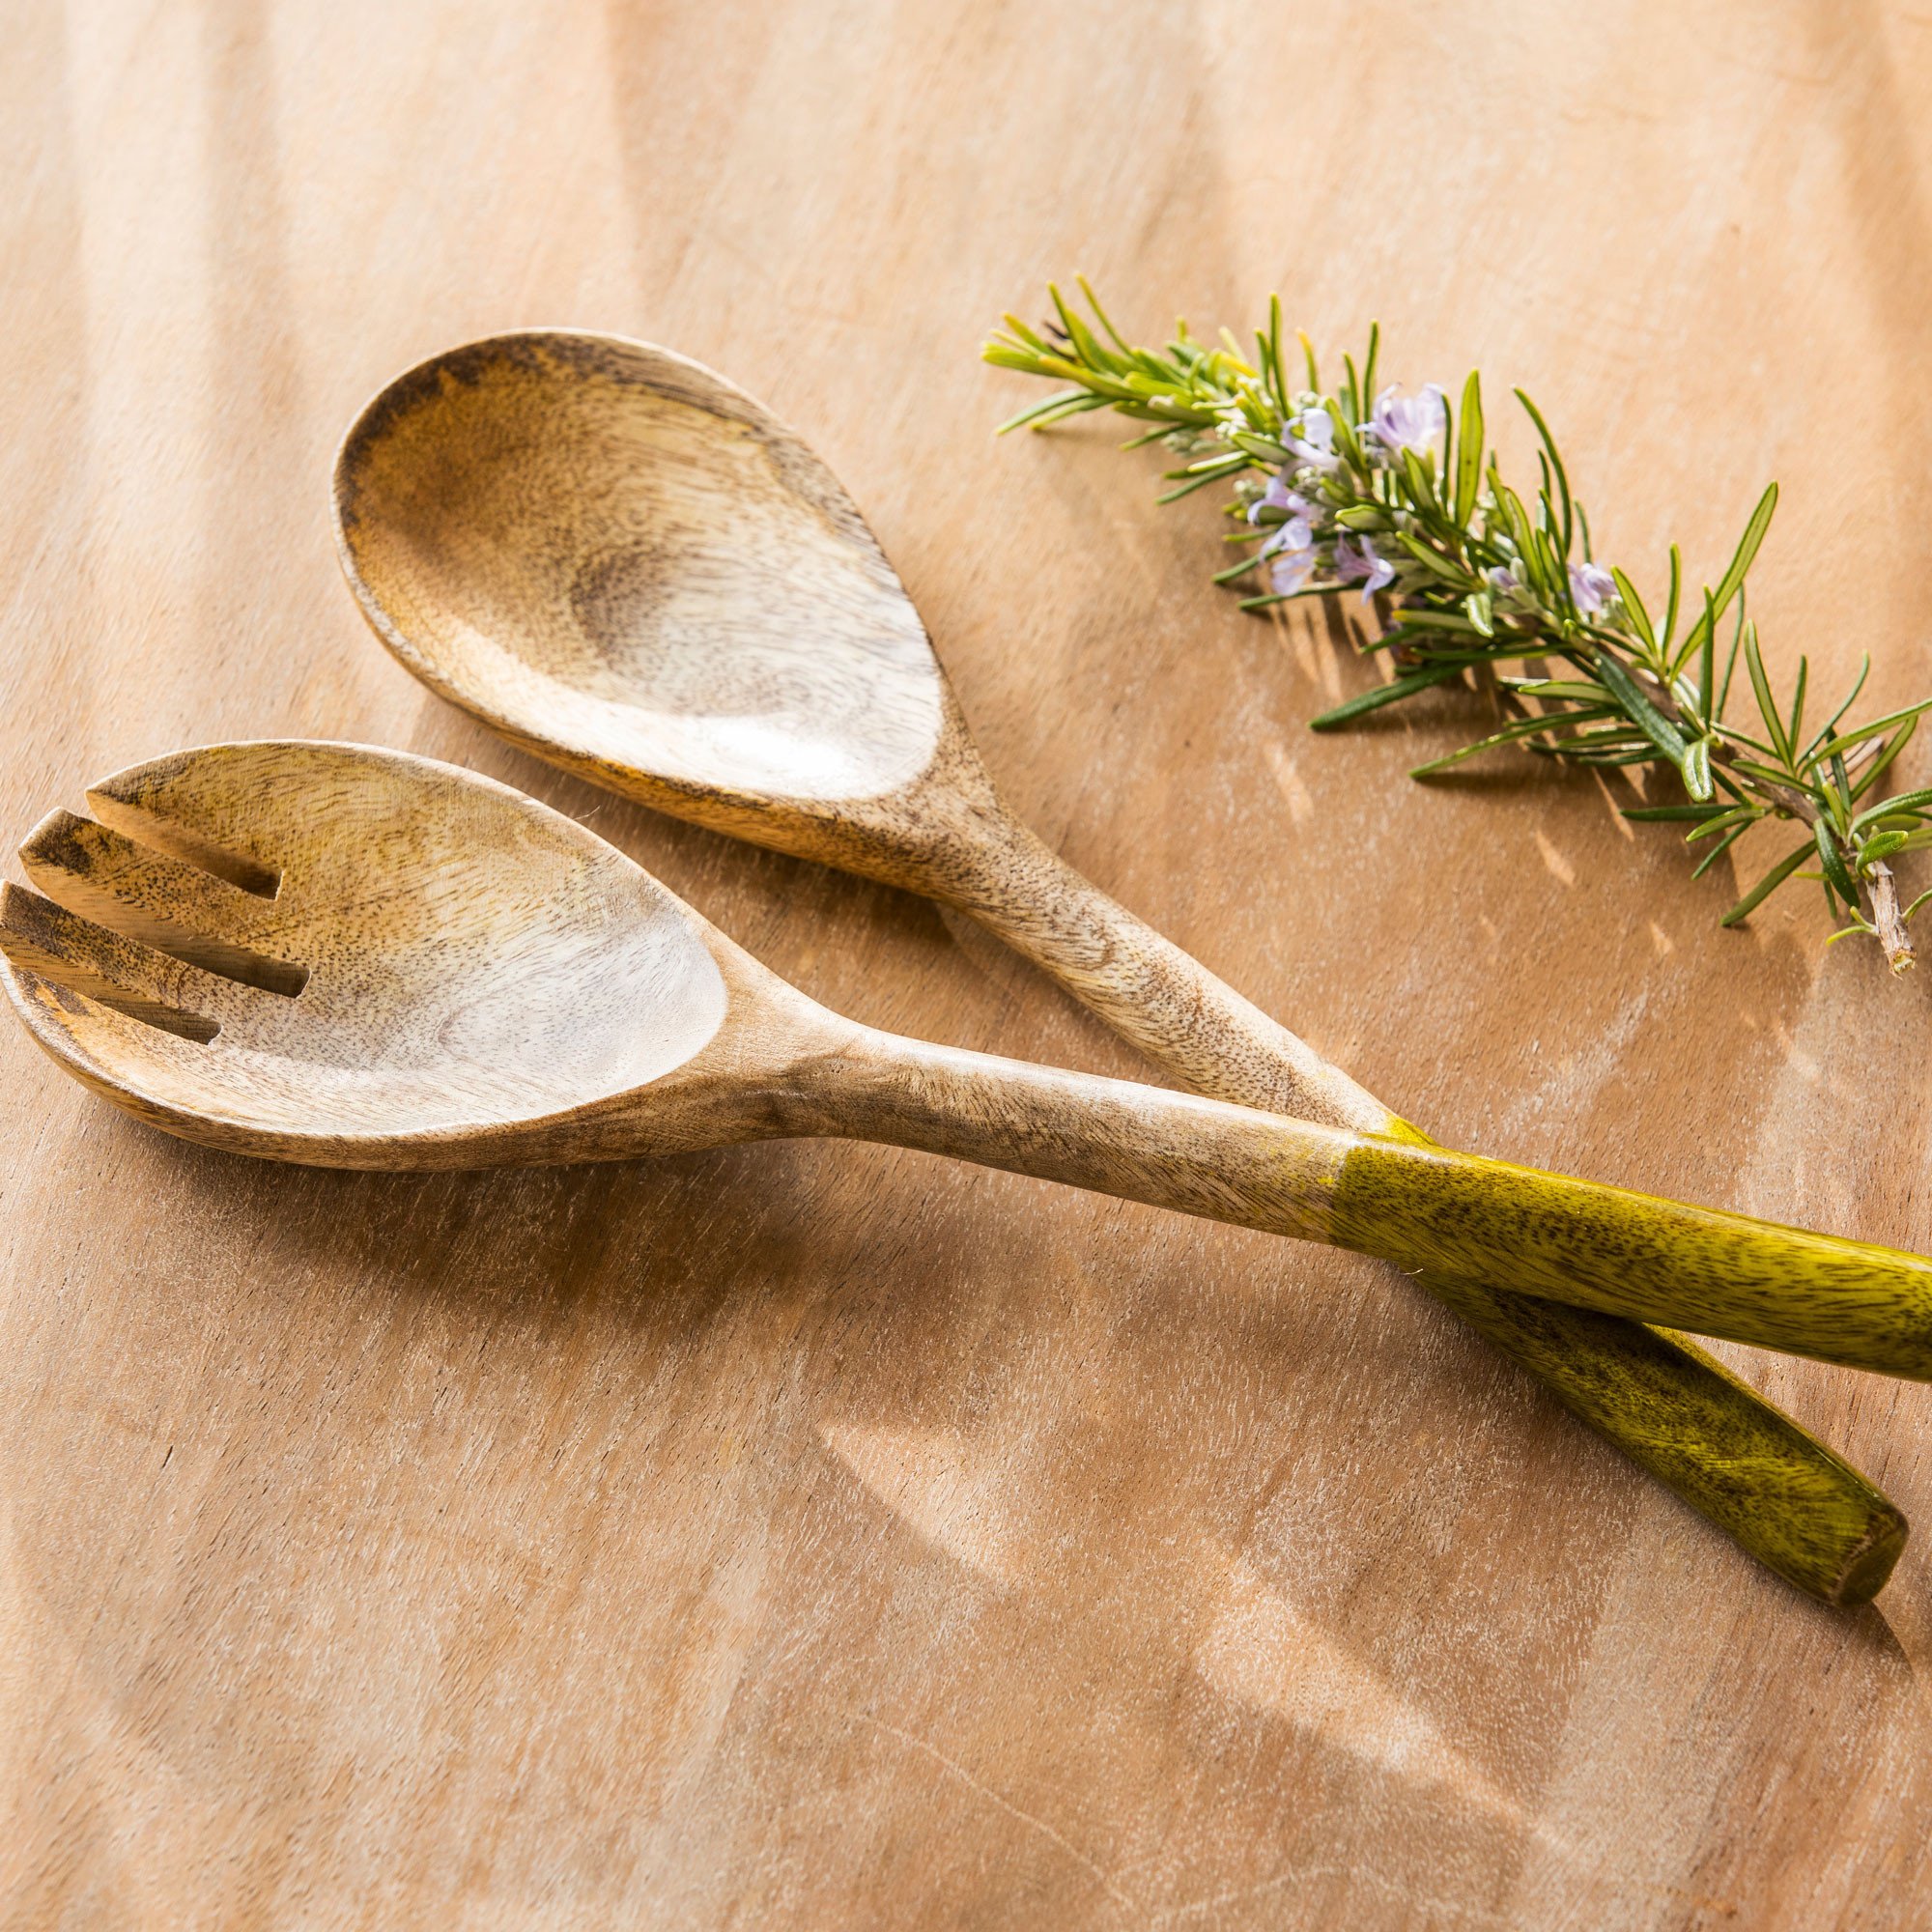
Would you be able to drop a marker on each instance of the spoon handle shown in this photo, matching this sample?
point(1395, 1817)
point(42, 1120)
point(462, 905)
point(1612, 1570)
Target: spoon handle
point(1739, 1462)
point(1429, 1210)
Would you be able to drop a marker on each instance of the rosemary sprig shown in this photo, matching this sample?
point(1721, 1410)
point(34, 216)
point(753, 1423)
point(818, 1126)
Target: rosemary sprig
point(1343, 485)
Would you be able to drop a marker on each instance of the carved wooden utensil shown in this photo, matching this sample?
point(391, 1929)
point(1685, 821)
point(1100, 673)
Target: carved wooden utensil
point(630, 567)
point(355, 958)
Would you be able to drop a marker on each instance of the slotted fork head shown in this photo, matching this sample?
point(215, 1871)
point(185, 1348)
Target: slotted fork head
point(347, 954)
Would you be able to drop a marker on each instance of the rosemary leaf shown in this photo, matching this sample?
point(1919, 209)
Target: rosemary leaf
point(1383, 694)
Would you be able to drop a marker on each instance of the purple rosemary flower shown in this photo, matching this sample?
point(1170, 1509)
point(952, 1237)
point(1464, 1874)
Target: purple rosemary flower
point(1300, 510)
point(1502, 580)
point(1295, 535)
point(1591, 588)
point(1312, 438)
point(1357, 559)
point(1274, 498)
point(1292, 541)
point(1408, 422)
point(1291, 571)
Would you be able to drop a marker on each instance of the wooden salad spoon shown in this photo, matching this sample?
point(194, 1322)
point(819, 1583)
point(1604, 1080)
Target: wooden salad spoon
point(629, 567)
point(354, 957)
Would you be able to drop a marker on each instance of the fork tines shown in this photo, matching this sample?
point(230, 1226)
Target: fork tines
point(68, 955)
point(144, 918)
point(176, 906)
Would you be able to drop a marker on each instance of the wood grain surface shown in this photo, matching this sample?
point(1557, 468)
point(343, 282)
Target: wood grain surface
point(821, 1535)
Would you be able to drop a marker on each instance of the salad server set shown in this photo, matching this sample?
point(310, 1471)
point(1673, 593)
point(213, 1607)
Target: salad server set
point(352, 956)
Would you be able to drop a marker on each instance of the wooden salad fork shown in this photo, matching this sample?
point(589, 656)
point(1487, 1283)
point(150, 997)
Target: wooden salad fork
point(355, 957)
point(628, 566)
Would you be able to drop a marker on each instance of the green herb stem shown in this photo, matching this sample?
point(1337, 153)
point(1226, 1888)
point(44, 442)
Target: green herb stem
point(1345, 486)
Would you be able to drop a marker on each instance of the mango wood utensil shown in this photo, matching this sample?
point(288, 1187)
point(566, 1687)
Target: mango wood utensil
point(631, 568)
point(355, 958)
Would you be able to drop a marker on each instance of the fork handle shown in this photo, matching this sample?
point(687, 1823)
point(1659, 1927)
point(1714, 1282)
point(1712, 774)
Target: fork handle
point(1739, 1462)
point(1427, 1209)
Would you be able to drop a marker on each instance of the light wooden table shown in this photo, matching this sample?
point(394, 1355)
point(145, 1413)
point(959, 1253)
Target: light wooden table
point(815, 1536)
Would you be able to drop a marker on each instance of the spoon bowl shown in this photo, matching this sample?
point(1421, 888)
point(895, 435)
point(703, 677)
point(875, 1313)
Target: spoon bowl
point(628, 565)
